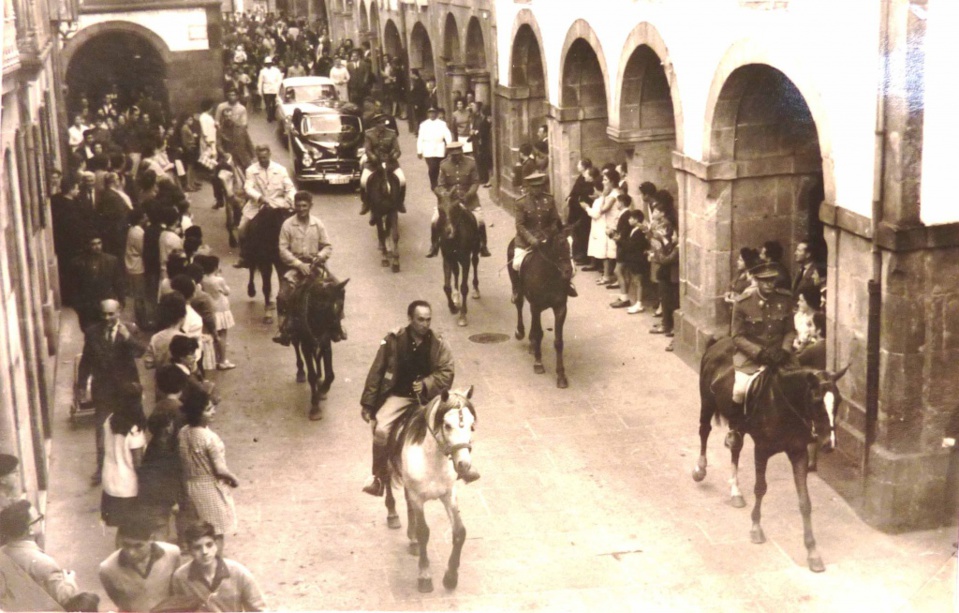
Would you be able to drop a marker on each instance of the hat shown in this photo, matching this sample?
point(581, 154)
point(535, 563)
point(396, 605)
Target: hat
point(8, 464)
point(454, 146)
point(15, 519)
point(268, 59)
point(764, 271)
point(378, 117)
point(537, 178)
point(432, 109)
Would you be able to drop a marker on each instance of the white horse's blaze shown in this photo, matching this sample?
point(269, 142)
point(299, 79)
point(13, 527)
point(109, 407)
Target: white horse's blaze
point(829, 400)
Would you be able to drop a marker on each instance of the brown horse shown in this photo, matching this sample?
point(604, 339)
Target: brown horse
point(460, 246)
point(784, 411)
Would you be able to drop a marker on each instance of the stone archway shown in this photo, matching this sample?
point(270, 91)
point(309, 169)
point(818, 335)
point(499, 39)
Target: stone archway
point(475, 57)
point(523, 103)
point(581, 119)
point(452, 50)
point(364, 21)
point(421, 52)
point(392, 42)
point(91, 66)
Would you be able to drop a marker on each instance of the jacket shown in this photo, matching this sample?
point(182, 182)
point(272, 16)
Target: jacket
point(463, 175)
point(381, 146)
point(432, 139)
point(111, 365)
point(631, 251)
point(536, 219)
point(760, 322)
point(379, 381)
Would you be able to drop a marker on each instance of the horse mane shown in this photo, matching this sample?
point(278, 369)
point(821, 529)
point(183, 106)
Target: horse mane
point(413, 425)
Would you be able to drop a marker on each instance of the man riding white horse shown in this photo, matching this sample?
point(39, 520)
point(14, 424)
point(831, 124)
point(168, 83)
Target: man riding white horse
point(305, 248)
point(268, 184)
point(382, 147)
point(537, 223)
point(458, 173)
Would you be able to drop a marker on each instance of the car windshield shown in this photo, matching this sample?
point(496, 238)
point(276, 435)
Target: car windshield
point(309, 93)
point(345, 127)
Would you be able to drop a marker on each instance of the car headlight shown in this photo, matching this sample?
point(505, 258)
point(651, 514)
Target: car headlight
point(306, 159)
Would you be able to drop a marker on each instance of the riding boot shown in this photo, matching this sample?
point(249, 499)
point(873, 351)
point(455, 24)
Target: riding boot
point(734, 438)
point(434, 241)
point(401, 206)
point(571, 290)
point(375, 484)
point(483, 250)
point(283, 335)
point(517, 284)
point(365, 208)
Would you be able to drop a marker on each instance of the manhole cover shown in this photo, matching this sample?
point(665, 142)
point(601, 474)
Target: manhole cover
point(489, 337)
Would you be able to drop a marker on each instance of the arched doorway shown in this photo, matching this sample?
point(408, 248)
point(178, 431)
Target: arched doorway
point(421, 52)
point(374, 19)
point(647, 121)
point(582, 117)
point(92, 69)
point(392, 43)
point(364, 21)
point(526, 107)
point(763, 127)
point(451, 41)
point(476, 68)
point(456, 83)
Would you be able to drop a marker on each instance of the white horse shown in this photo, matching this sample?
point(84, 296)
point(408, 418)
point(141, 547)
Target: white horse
point(429, 450)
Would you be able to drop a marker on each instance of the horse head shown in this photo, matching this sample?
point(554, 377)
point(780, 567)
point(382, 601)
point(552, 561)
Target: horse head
point(326, 308)
point(453, 421)
point(814, 396)
point(826, 392)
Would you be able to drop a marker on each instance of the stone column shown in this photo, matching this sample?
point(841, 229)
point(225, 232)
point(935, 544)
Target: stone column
point(456, 80)
point(480, 81)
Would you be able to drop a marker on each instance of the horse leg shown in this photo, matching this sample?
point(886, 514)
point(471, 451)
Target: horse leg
point(266, 275)
point(250, 285)
point(424, 582)
point(735, 495)
point(536, 338)
point(447, 287)
point(392, 519)
point(464, 290)
point(476, 292)
point(411, 525)
point(520, 326)
point(799, 460)
point(707, 408)
point(395, 241)
point(312, 368)
point(756, 532)
point(381, 239)
point(300, 373)
point(325, 356)
point(559, 319)
point(451, 578)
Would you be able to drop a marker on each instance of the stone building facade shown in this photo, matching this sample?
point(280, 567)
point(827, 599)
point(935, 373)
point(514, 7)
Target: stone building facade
point(29, 294)
point(172, 46)
point(761, 134)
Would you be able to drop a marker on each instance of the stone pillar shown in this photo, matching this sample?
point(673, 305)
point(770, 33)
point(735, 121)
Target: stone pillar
point(480, 81)
point(514, 108)
point(565, 148)
point(456, 80)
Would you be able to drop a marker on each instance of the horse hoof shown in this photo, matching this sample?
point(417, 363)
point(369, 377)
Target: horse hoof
point(413, 548)
point(699, 474)
point(267, 319)
point(395, 268)
point(454, 309)
point(384, 263)
point(561, 382)
point(812, 468)
point(737, 502)
point(815, 565)
point(451, 579)
point(756, 536)
point(519, 334)
point(461, 322)
point(393, 522)
point(301, 377)
point(476, 294)
point(539, 369)
point(251, 290)
point(425, 586)
point(316, 414)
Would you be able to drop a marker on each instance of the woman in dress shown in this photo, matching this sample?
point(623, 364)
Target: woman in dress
point(206, 477)
point(601, 246)
point(462, 122)
point(124, 443)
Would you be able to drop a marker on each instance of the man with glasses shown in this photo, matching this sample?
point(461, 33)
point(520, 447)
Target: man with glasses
point(19, 525)
point(109, 358)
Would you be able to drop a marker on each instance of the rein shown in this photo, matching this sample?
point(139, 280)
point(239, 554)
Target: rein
point(778, 386)
point(448, 450)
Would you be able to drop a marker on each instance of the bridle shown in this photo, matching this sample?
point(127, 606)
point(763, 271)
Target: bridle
point(448, 450)
point(810, 424)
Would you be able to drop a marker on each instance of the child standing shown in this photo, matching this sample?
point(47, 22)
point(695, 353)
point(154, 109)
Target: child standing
point(635, 261)
point(214, 285)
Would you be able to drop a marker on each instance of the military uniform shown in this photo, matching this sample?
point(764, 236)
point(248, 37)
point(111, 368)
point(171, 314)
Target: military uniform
point(761, 322)
point(460, 174)
point(381, 145)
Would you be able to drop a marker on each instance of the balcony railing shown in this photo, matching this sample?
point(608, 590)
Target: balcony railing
point(11, 53)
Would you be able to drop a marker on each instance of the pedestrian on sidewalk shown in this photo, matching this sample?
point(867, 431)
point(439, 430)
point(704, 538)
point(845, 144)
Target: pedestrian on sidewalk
point(433, 136)
point(124, 438)
point(170, 315)
point(97, 276)
point(632, 254)
point(137, 576)
point(159, 473)
point(215, 285)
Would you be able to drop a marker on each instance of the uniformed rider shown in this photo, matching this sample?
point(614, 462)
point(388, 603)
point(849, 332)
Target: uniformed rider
point(305, 248)
point(458, 174)
point(763, 333)
point(537, 223)
point(382, 146)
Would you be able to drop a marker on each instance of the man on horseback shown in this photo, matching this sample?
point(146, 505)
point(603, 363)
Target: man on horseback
point(413, 365)
point(267, 184)
point(537, 224)
point(304, 244)
point(763, 333)
point(458, 173)
point(382, 146)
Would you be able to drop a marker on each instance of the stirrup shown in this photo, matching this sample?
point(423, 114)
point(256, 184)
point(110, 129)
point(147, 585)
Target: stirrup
point(484, 252)
point(282, 339)
point(434, 250)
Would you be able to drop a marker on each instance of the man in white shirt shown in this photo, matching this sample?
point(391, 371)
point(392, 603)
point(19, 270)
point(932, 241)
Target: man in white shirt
point(76, 132)
point(431, 143)
point(207, 130)
point(238, 111)
point(268, 84)
point(267, 184)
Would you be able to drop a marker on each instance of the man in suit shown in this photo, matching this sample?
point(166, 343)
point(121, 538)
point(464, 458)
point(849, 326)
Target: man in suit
point(807, 274)
point(432, 96)
point(359, 78)
point(113, 208)
point(96, 277)
point(419, 100)
point(109, 357)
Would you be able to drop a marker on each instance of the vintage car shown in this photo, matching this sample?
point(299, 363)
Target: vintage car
point(326, 143)
point(298, 91)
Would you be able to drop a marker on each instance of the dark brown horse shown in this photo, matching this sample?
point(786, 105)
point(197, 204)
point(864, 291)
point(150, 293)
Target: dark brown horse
point(460, 246)
point(544, 287)
point(385, 195)
point(316, 313)
point(785, 409)
point(261, 251)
